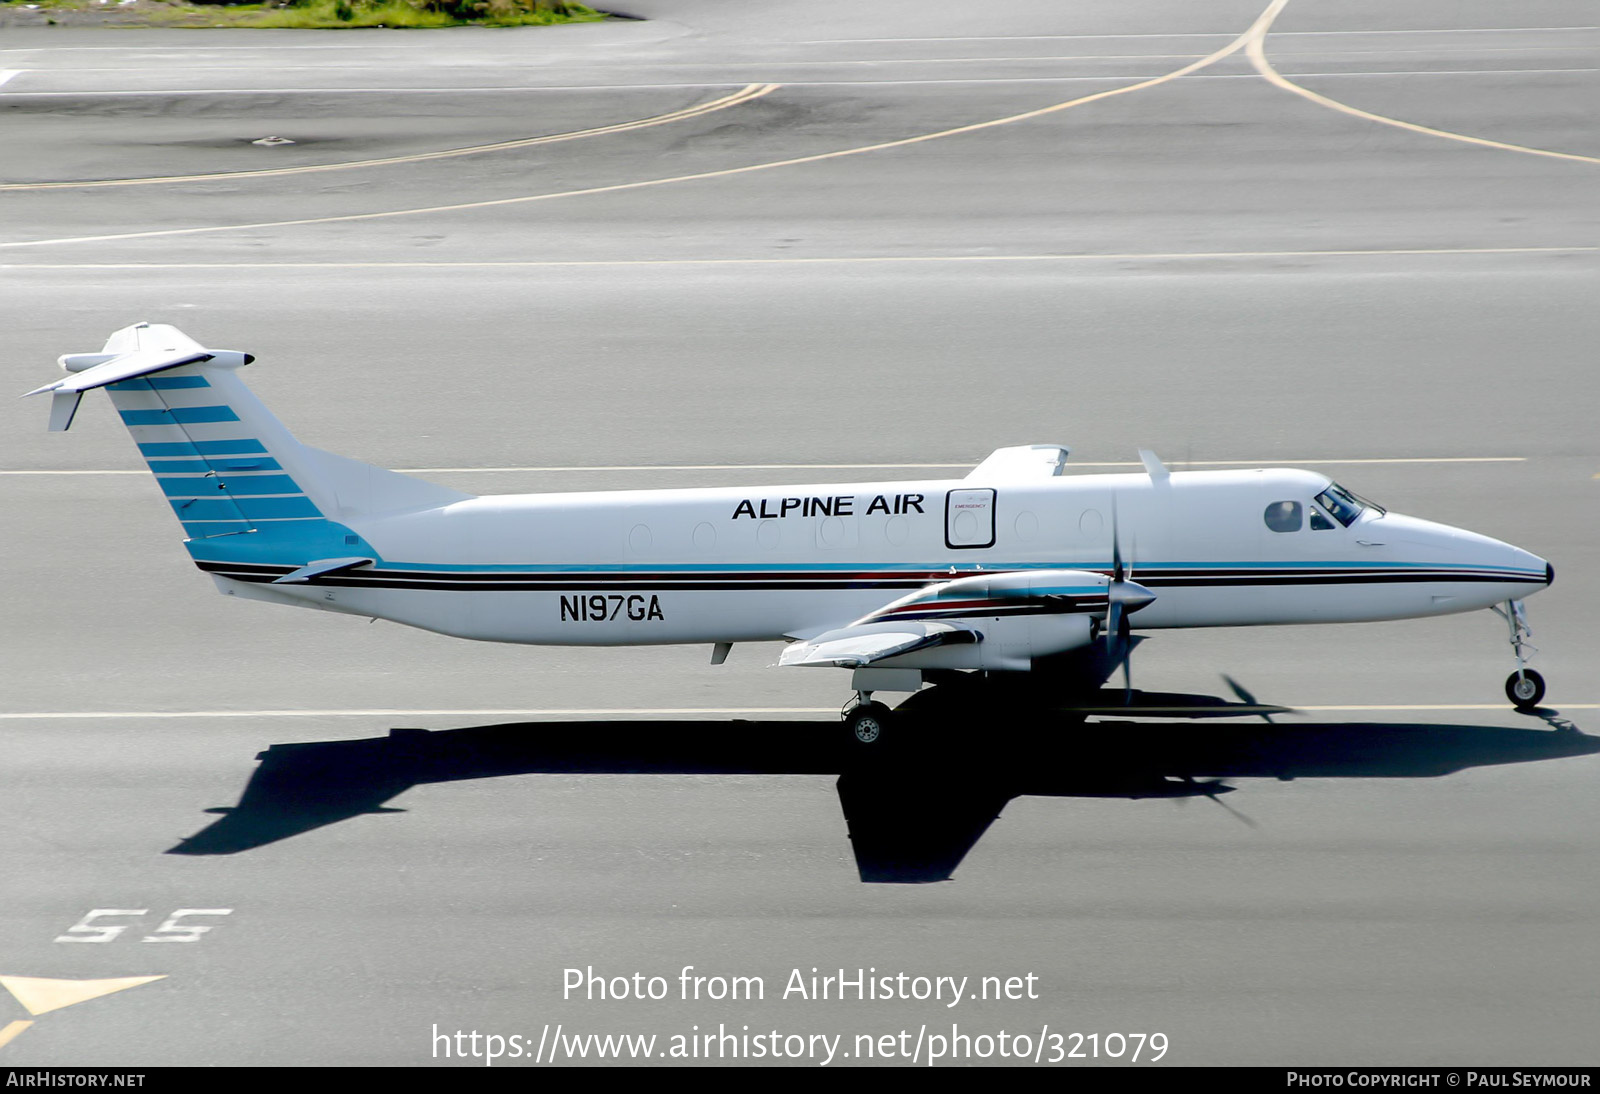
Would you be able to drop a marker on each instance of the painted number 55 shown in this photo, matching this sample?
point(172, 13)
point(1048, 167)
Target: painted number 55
point(173, 930)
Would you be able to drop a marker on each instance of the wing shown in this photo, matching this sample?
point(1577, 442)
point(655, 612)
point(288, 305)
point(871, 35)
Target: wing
point(858, 645)
point(1005, 620)
point(1021, 463)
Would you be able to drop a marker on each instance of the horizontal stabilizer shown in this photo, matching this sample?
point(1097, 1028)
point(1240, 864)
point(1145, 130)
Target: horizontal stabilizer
point(1021, 463)
point(319, 568)
point(865, 644)
point(92, 370)
point(128, 366)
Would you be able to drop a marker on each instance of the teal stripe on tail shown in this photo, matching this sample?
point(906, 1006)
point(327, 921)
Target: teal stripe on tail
point(240, 484)
point(216, 474)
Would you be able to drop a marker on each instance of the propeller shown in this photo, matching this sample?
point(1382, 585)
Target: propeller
point(1124, 596)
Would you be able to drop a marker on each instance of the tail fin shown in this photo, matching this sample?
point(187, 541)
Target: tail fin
point(228, 467)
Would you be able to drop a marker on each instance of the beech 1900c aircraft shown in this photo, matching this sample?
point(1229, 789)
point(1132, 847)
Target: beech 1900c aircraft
point(904, 583)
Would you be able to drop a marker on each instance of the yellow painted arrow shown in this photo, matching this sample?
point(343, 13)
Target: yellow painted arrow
point(40, 996)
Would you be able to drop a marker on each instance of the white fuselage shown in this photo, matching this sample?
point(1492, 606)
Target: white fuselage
point(1013, 564)
point(756, 563)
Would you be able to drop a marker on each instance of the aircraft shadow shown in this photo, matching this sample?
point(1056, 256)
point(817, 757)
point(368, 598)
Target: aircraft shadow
point(914, 806)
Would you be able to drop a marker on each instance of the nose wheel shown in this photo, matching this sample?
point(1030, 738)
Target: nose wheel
point(1525, 688)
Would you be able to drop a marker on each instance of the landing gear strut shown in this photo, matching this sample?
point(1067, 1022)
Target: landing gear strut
point(865, 721)
point(1525, 688)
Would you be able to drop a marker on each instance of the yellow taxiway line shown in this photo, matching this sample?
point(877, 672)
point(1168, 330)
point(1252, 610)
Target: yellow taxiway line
point(1252, 42)
point(1255, 49)
point(744, 95)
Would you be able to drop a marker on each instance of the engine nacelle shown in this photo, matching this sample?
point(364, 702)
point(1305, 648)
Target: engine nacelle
point(1009, 644)
point(1018, 616)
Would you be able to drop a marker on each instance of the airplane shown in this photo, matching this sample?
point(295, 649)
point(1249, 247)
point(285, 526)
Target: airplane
point(906, 584)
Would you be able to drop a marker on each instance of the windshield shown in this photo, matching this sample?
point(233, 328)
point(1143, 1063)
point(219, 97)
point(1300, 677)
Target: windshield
point(1345, 506)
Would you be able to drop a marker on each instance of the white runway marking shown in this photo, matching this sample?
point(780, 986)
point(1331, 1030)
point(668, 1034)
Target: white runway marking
point(793, 261)
point(1475, 50)
point(1180, 464)
point(608, 712)
point(769, 63)
point(1184, 34)
point(1177, 464)
point(1408, 72)
point(10, 73)
point(695, 84)
point(691, 84)
point(1193, 76)
point(1441, 706)
point(166, 49)
point(846, 41)
point(640, 712)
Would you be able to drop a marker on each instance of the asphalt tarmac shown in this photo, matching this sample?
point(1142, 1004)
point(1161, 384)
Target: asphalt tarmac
point(781, 243)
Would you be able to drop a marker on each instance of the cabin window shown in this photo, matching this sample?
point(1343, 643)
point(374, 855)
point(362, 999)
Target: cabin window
point(1283, 516)
point(1320, 523)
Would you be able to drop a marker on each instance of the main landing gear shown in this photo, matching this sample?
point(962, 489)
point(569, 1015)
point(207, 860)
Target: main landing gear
point(1525, 688)
point(865, 721)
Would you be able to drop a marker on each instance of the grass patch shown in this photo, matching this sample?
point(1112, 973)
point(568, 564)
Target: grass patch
point(319, 14)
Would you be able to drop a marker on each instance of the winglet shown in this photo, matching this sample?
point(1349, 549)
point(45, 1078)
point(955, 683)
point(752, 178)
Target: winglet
point(63, 407)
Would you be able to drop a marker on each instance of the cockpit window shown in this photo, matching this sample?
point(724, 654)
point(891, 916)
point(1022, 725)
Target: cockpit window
point(1344, 505)
point(1283, 516)
point(1320, 523)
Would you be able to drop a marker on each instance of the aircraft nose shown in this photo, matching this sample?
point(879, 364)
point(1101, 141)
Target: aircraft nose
point(1528, 561)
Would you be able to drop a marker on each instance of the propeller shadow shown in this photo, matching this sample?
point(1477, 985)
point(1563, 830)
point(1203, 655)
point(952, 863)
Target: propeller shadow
point(915, 805)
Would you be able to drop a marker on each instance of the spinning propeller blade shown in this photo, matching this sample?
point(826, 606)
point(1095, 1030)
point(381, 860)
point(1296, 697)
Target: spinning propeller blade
point(1124, 596)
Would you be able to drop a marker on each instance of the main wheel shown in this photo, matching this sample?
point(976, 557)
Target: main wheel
point(1525, 689)
point(865, 723)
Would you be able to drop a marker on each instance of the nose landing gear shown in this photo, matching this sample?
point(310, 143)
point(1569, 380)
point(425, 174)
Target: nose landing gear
point(1525, 688)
